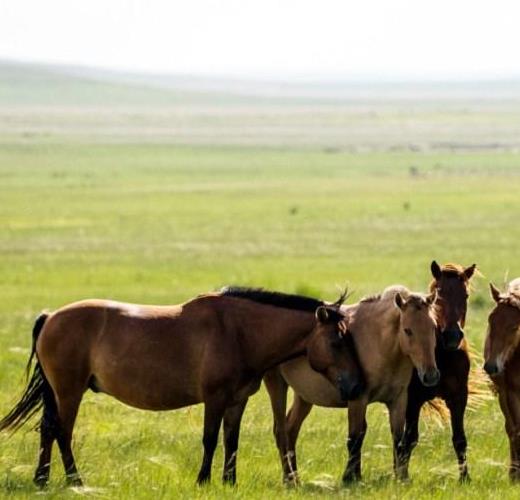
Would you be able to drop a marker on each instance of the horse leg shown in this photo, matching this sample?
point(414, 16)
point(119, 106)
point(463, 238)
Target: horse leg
point(48, 426)
point(213, 413)
point(457, 406)
point(357, 427)
point(509, 426)
point(232, 419)
point(299, 411)
point(67, 411)
point(411, 430)
point(397, 411)
point(513, 405)
point(277, 388)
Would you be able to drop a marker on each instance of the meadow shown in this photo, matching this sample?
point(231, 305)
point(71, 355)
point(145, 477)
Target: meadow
point(101, 197)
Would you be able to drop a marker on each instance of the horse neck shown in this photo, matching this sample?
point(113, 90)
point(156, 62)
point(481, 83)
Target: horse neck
point(376, 329)
point(274, 334)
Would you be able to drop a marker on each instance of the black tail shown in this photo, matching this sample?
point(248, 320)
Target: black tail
point(32, 398)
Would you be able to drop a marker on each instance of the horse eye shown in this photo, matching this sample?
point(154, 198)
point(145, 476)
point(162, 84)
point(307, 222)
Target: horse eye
point(408, 332)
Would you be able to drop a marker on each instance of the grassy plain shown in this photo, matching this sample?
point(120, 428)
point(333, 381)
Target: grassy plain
point(144, 216)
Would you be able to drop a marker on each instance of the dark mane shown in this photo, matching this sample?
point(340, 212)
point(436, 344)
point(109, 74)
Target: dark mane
point(277, 299)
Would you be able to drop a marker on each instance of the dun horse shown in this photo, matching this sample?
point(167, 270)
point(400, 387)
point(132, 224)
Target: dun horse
point(502, 363)
point(451, 283)
point(213, 349)
point(392, 333)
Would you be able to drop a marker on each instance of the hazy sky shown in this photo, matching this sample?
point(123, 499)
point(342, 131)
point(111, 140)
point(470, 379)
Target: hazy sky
point(270, 38)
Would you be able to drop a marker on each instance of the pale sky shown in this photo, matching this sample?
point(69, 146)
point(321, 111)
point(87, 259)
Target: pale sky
point(283, 39)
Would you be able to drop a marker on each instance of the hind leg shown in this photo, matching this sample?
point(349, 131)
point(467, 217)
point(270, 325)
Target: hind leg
point(48, 426)
point(299, 411)
point(67, 412)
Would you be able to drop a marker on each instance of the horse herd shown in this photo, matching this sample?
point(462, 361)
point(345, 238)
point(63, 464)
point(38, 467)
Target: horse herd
point(399, 348)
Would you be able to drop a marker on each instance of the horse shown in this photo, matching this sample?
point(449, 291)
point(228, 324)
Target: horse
point(502, 364)
point(392, 333)
point(213, 349)
point(452, 285)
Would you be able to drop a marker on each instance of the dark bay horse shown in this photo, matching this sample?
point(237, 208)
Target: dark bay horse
point(451, 283)
point(213, 349)
point(392, 333)
point(502, 363)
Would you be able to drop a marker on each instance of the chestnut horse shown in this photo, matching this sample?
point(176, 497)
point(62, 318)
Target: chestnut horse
point(451, 283)
point(392, 333)
point(502, 363)
point(213, 349)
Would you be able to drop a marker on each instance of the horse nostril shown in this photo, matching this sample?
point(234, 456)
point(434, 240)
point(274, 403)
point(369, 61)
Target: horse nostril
point(490, 368)
point(451, 339)
point(431, 377)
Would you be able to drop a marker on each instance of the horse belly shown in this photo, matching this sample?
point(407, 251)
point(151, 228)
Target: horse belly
point(148, 380)
point(145, 391)
point(310, 385)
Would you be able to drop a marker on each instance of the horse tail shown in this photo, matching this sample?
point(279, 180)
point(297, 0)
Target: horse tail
point(32, 398)
point(480, 388)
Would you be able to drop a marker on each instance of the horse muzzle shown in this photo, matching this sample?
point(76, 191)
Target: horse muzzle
point(349, 389)
point(451, 339)
point(491, 368)
point(430, 377)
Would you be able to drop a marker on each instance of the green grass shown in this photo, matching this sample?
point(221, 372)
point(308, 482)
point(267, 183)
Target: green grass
point(159, 224)
point(156, 195)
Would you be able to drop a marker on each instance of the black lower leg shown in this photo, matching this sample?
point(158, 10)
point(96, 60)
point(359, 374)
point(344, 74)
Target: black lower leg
point(354, 444)
point(213, 414)
point(232, 419)
point(457, 407)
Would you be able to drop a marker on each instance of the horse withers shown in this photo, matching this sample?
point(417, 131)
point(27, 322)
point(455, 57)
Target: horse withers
point(502, 363)
point(392, 333)
point(213, 349)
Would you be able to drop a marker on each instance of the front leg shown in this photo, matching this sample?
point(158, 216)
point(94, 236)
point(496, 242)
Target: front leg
point(232, 419)
point(457, 406)
point(213, 413)
point(357, 426)
point(397, 413)
point(513, 405)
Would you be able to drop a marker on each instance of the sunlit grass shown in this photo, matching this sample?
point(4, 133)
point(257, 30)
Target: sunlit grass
point(162, 224)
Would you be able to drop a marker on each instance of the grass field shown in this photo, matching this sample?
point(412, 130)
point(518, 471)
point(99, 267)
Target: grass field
point(156, 218)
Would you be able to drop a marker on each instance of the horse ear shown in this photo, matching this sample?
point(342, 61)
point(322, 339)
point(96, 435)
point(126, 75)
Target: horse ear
point(430, 299)
point(436, 270)
point(399, 301)
point(468, 272)
point(322, 315)
point(495, 292)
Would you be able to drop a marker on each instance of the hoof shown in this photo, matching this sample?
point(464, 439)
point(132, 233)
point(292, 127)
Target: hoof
point(350, 478)
point(74, 481)
point(292, 480)
point(465, 479)
point(41, 481)
point(201, 481)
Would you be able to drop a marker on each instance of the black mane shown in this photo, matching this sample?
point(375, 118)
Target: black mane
point(278, 299)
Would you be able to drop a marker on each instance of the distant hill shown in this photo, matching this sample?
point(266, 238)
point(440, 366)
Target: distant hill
point(50, 103)
point(23, 83)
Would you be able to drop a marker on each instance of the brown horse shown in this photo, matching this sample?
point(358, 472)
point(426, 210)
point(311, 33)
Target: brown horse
point(213, 349)
point(392, 333)
point(451, 283)
point(502, 363)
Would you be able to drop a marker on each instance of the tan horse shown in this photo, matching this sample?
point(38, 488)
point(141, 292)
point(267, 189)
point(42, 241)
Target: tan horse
point(213, 349)
point(502, 363)
point(392, 333)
